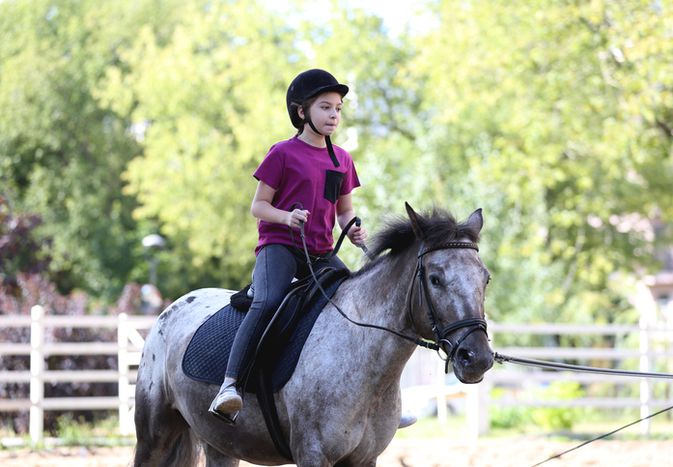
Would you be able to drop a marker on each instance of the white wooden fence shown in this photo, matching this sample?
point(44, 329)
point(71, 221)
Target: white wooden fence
point(646, 345)
point(127, 348)
point(639, 347)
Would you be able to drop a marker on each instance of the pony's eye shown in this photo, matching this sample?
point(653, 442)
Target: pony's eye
point(434, 280)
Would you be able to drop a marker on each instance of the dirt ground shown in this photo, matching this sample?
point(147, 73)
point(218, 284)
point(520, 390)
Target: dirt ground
point(505, 452)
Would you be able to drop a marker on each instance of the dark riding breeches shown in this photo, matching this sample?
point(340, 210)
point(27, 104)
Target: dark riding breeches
point(275, 268)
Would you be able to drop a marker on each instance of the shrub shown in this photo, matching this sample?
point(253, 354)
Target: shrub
point(558, 418)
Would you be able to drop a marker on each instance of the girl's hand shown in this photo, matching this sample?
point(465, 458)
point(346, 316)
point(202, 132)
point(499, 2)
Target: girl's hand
point(357, 235)
point(295, 218)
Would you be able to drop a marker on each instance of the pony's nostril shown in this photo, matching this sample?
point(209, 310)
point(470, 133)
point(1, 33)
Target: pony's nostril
point(465, 356)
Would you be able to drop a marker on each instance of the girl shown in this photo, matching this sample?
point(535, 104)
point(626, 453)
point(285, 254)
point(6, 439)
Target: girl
point(302, 180)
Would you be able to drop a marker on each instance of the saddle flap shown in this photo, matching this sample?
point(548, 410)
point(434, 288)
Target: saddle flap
point(207, 353)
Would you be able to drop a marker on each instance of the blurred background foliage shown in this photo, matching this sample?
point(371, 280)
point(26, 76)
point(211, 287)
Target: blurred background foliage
point(121, 119)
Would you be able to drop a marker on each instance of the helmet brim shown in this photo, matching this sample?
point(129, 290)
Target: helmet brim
point(341, 89)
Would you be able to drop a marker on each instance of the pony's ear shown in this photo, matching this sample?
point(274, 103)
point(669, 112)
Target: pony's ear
point(415, 221)
point(475, 221)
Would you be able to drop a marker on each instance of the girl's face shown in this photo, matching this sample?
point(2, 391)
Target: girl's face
point(325, 113)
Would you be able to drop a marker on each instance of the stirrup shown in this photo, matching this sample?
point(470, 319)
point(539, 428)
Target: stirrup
point(229, 419)
point(229, 416)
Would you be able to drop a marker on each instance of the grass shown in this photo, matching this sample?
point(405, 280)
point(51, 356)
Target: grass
point(75, 432)
point(431, 427)
point(105, 433)
point(70, 432)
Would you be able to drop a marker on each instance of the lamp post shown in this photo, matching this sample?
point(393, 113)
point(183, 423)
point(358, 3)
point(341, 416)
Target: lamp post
point(153, 243)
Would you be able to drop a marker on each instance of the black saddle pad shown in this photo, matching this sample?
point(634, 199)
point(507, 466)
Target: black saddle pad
point(208, 352)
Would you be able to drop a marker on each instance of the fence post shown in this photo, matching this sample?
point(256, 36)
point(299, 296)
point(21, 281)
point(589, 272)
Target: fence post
point(477, 410)
point(36, 374)
point(125, 420)
point(644, 366)
point(440, 388)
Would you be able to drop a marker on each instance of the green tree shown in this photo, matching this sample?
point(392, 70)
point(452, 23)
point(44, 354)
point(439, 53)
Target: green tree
point(555, 117)
point(206, 104)
point(118, 119)
point(61, 152)
point(210, 102)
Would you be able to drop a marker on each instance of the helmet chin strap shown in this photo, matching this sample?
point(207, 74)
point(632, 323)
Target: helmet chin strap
point(328, 141)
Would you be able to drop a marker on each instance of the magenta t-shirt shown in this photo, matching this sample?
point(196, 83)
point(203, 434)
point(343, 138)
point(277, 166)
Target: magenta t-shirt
point(304, 177)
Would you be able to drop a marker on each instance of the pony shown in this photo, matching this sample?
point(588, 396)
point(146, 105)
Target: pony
point(424, 284)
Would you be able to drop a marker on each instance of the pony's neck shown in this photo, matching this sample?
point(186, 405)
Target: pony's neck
point(381, 299)
point(369, 360)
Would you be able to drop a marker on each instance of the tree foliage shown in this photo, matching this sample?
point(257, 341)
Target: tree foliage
point(124, 118)
point(545, 108)
point(201, 102)
point(61, 152)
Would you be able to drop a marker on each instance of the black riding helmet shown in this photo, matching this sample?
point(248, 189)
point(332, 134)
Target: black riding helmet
point(309, 84)
point(306, 85)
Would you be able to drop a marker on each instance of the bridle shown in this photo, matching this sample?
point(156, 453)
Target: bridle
point(442, 335)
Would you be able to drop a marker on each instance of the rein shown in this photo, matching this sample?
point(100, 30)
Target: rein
point(586, 369)
point(441, 341)
point(579, 368)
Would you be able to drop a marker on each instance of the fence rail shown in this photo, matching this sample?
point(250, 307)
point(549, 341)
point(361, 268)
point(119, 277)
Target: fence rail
point(649, 344)
point(654, 344)
point(127, 348)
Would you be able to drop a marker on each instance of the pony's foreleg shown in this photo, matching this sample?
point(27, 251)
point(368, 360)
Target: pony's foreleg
point(215, 458)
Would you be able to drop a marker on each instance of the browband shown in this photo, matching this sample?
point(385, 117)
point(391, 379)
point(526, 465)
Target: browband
point(449, 245)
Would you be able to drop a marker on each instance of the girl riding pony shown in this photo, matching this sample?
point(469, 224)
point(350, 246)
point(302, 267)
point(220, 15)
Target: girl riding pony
point(303, 180)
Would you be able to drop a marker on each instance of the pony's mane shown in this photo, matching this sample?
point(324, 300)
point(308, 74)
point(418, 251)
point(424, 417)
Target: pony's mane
point(438, 226)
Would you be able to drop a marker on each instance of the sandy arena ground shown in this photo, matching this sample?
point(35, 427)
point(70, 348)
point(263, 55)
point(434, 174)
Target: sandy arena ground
point(505, 452)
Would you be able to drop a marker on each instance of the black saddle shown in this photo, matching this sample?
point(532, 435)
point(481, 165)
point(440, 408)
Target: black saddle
point(278, 351)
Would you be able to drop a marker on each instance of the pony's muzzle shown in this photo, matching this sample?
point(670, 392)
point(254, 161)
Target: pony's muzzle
point(472, 359)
